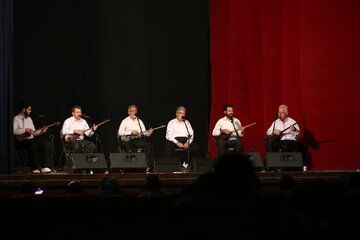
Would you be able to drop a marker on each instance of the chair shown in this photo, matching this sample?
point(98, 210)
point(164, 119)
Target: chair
point(65, 152)
point(123, 148)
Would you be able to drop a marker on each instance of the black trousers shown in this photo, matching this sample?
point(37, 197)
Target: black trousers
point(224, 145)
point(281, 146)
point(145, 145)
point(193, 148)
point(81, 146)
point(40, 152)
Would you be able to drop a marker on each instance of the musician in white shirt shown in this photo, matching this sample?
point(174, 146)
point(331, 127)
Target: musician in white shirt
point(180, 134)
point(132, 134)
point(76, 127)
point(40, 151)
point(228, 131)
point(284, 141)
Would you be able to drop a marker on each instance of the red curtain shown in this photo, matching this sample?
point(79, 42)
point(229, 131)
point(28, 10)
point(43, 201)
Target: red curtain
point(302, 53)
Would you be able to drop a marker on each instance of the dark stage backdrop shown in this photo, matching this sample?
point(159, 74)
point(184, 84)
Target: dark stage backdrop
point(303, 53)
point(105, 55)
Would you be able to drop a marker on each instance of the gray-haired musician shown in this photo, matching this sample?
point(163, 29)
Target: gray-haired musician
point(180, 135)
point(283, 132)
point(132, 134)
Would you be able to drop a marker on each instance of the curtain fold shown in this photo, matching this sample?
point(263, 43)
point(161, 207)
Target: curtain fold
point(6, 86)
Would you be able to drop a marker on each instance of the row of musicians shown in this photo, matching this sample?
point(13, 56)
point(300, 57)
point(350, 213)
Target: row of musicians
point(132, 133)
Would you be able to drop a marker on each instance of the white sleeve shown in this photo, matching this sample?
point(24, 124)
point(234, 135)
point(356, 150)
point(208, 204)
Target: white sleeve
point(239, 126)
point(18, 127)
point(122, 129)
point(66, 128)
point(88, 133)
point(216, 131)
point(170, 132)
point(269, 131)
point(297, 132)
point(191, 131)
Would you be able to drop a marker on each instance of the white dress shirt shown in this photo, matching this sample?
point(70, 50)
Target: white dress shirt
point(72, 124)
point(281, 125)
point(128, 124)
point(176, 128)
point(20, 123)
point(225, 123)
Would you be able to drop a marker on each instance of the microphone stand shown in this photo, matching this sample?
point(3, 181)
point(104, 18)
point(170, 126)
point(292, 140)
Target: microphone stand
point(97, 138)
point(262, 141)
point(188, 141)
point(141, 131)
point(237, 134)
point(272, 134)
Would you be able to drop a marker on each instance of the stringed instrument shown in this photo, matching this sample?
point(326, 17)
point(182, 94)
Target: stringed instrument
point(278, 137)
point(127, 138)
point(22, 137)
point(224, 136)
point(73, 137)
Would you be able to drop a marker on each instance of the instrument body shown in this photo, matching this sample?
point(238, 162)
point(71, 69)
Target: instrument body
point(278, 137)
point(224, 136)
point(127, 138)
point(74, 137)
point(22, 137)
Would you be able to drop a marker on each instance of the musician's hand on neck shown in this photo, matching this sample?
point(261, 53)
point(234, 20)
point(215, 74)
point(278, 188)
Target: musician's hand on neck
point(150, 131)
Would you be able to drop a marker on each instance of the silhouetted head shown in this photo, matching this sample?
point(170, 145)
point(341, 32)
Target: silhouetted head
point(235, 172)
point(286, 182)
point(153, 182)
point(73, 187)
point(110, 186)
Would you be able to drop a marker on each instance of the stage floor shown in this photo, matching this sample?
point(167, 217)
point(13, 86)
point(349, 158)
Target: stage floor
point(54, 184)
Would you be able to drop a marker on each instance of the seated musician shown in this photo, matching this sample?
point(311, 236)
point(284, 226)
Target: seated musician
point(132, 134)
point(280, 140)
point(73, 131)
point(228, 131)
point(180, 135)
point(40, 151)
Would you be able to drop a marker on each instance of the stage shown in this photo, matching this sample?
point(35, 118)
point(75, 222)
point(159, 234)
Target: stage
point(132, 184)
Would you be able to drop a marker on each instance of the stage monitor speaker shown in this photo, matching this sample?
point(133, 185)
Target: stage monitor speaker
point(284, 161)
point(166, 165)
point(256, 160)
point(204, 164)
point(87, 163)
point(128, 162)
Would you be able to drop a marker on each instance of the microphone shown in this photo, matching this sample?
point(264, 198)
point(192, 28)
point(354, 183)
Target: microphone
point(39, 115)
point(85, 116)
point(183, 117)
point(276, 116)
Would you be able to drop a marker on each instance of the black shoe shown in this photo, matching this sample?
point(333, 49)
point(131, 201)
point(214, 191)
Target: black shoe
point(149, 170)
